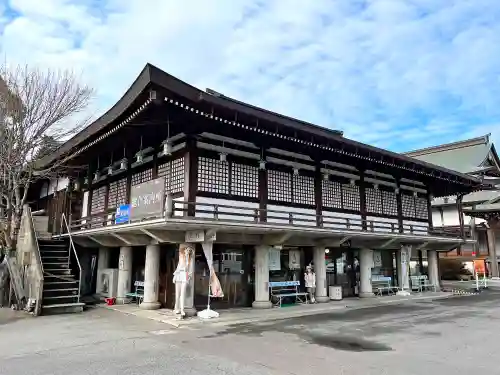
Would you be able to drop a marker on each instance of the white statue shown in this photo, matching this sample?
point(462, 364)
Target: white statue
point(310, 281)
point(182, 276)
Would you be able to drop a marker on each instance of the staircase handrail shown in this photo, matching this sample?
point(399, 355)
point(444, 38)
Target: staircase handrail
point(72, 247)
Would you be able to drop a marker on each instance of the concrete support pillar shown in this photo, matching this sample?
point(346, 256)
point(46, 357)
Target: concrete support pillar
point(320, 271)
point(151, 278)
point(103, 259)
point(492, 251)
point(365, 273)
point(261, 278)
point(403, 265)
point(433, 268)
point(398, 268)
point(124, 272)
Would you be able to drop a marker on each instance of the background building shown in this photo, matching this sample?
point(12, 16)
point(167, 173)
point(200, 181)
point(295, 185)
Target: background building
point(475, 157)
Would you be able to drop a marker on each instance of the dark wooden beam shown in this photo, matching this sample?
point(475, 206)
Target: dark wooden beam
point(263, 190)
point(362, 198)
point(400, 208)
point(191, 180)
point(318, 195)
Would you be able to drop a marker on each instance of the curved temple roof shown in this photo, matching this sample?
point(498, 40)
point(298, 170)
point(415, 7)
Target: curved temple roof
point(152, 76)
point(474, 156)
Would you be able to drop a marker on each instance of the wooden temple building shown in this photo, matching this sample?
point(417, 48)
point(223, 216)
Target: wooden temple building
point(475, 157)
point(170, 163)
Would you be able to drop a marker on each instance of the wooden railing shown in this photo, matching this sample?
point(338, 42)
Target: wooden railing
point(225, 213)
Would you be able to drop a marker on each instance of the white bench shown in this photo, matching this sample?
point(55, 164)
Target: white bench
point(381, 284)
point(284, 289)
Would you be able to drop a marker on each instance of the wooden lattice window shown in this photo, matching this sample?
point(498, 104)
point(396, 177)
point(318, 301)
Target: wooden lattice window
point(351, 198)
point(98, 200)
point(408, 205)
point(303, 190)
point(421, 208)
point(244, 180)
point(140, 177)
point(332, 194)
point(213, 176)
point(279, 185)
point(373, 200)
point(174, 174)
point(117, 194)
point(389, 203)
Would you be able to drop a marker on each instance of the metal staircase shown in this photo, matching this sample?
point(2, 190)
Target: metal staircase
point(61, 286)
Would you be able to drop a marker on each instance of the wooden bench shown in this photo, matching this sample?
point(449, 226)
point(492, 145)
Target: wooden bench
point(286, 289)
point(381, 284)
point(138, 294)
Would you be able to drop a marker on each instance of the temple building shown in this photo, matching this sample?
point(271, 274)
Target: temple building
point(475, 157)
point(171, 164)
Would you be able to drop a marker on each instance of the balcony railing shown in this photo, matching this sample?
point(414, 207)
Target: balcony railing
point(225, 213)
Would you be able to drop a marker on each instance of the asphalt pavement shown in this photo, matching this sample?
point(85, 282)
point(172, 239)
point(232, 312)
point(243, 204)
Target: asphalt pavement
point(451, 336)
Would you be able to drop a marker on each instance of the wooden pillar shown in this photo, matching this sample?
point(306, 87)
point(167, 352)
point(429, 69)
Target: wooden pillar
point(399, 207)
point(460, 220)
point(492, 250)
point(362, 199)
point(263, 190)
point(191, 176)
point(318, 195)
point(89, 200)
point(429, 211)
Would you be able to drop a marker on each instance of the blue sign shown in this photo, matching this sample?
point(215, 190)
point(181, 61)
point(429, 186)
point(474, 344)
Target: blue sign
point(122, 214)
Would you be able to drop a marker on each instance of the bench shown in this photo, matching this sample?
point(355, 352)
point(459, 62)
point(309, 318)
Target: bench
point(138, 294)
point(286, 289)
point(421, 283)
point(381, 284)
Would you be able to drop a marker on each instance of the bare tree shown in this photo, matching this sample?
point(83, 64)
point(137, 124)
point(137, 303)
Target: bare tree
point(37, 112)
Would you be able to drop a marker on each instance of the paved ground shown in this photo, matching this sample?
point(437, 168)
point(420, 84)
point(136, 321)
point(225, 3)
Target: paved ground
point(452, 336)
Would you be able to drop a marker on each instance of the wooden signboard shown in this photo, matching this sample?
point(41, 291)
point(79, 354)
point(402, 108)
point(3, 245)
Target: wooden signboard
point(147, 199)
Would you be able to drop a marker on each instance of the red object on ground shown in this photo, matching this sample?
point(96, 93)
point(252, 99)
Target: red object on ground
point(110, 301)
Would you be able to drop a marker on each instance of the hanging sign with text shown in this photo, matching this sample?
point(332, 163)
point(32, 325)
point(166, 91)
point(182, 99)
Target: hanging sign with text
point(147, 199)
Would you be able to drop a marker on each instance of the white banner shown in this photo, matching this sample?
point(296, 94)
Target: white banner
point(274, 259)
point(377, 258)
point(215, 287)
point(294, 259)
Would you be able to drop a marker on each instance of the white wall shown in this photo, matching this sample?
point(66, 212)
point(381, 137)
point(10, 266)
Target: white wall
point(383, 224)
point(341, 220)
point(247, 208)
point(308, 216)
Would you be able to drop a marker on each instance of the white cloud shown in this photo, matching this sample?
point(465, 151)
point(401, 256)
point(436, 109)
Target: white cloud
point(399, 74)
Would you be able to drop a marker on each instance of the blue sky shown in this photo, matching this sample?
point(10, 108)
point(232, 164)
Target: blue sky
point(399, 74)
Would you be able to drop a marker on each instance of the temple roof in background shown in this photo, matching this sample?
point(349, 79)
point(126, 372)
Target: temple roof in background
point(472, 156)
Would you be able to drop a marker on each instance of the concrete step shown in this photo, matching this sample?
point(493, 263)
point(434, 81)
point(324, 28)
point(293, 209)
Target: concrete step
point(62, 308)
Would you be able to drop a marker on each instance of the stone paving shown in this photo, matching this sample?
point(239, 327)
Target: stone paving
point(248, 315)
point(456, 336)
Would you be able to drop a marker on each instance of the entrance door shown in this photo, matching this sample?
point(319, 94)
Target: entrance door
point(167, 268)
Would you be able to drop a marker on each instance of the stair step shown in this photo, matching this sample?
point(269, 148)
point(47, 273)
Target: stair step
point(60, 297)
point(55, 257)
point(61, 290)
point(60, 264)
point(56, 305)
point(57, 271)
point(63, 308)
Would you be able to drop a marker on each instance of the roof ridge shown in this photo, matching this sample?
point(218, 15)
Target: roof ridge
point(484, 139)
